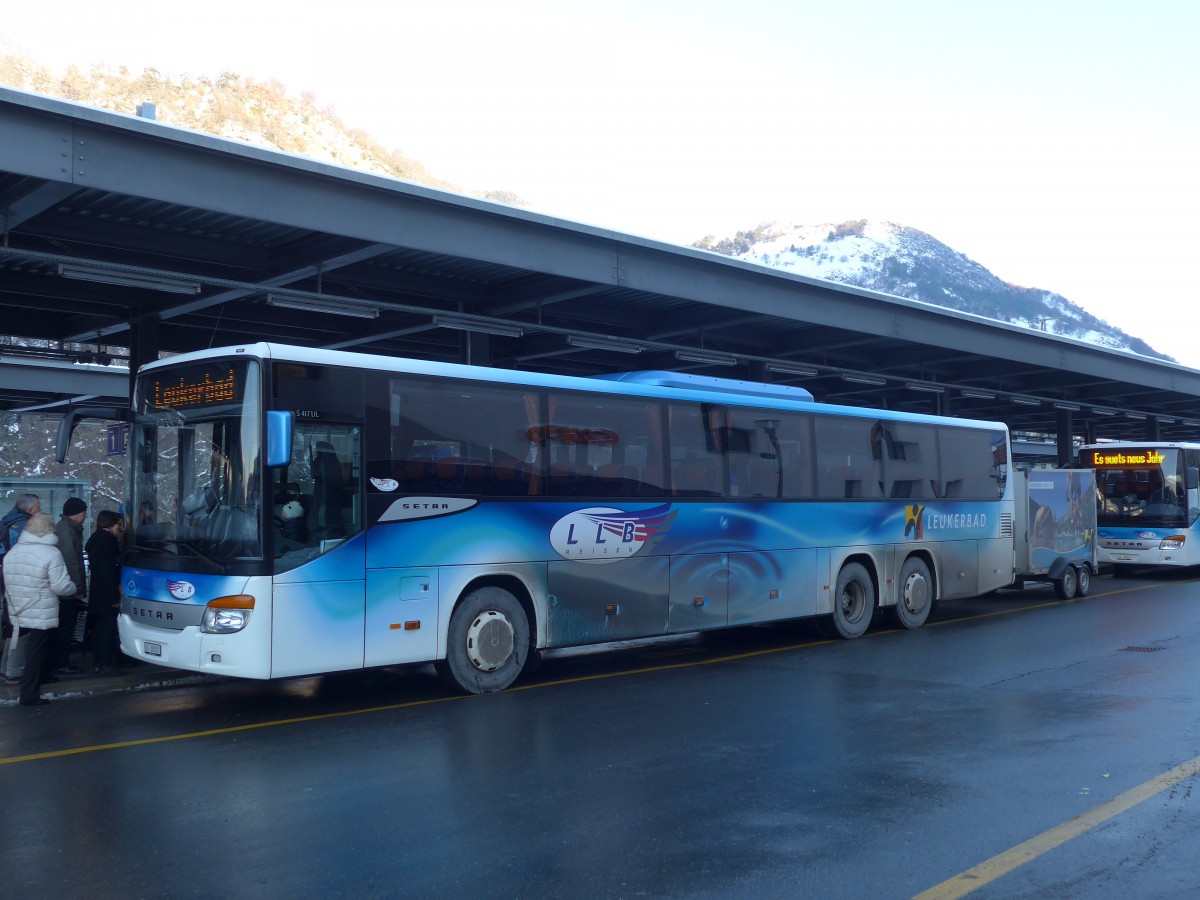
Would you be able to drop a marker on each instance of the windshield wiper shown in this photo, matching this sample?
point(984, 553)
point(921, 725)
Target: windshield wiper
point(192, 549)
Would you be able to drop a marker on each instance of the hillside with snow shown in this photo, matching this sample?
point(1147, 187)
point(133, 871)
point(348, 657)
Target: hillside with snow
point(878, 256)
point(904, 262)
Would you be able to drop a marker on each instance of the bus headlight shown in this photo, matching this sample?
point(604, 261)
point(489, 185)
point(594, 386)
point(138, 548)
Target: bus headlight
point(226, 615)
point(1174, 542)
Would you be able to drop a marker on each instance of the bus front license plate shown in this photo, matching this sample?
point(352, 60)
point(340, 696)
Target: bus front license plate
point(1124, 557)
point(151, 649)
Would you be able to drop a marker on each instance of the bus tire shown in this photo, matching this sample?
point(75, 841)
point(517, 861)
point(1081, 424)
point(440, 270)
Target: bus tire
point(1067, 586)
point(1083, 581)
point(853, 602)
point(487, 644)
point(914, 594)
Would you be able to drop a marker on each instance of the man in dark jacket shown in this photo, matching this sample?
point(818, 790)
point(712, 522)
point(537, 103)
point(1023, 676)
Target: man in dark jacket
point(104, 598)
point(70, 543)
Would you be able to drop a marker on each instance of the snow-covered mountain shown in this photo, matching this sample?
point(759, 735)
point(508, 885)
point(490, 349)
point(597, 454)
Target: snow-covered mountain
point(879, 256)
point(905, 262)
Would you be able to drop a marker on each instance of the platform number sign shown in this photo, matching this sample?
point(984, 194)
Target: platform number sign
point(117, 435)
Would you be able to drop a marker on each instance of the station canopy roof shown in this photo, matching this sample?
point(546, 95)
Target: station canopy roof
point(124, 236)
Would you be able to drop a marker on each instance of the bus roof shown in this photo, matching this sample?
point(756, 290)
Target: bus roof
point(658, 384)
point(690, 382)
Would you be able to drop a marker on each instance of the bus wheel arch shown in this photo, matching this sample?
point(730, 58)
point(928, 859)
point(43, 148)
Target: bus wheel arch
point(855, 599)
point(490, 638)
point(916, 592)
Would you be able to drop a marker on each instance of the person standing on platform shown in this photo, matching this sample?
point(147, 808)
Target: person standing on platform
point(104, 598)
point(70, 543)
point(35, 576)
point(12, 661)
point(14, 520)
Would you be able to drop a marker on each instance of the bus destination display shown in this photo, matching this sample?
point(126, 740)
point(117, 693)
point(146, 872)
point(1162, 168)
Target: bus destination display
point(196, 387)
point(1128, 457)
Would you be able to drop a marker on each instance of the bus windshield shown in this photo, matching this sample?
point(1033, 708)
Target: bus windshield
point(1141, 488)
point(196, 467)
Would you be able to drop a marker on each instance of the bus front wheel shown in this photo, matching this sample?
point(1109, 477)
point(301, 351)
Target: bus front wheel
point(914, 599)
point(853, 602)
point(488, 642)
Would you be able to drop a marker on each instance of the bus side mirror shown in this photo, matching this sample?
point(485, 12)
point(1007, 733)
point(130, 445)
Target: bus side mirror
point(279, 438)
point(67, 426)
point(1193, 478)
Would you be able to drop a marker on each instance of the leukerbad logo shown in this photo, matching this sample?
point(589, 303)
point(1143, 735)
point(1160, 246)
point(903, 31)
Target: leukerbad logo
point(603, 534)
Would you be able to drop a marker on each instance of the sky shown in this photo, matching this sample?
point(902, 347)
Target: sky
point(1055, 142)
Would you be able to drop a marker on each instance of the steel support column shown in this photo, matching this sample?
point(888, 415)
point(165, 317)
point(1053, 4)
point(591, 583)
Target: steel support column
point(1066, 431)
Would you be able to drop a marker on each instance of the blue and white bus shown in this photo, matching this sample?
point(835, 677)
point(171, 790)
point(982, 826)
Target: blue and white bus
point(301, 511)
point(1149, 503)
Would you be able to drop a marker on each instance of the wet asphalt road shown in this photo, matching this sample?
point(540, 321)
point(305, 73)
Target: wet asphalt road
point(764, 762)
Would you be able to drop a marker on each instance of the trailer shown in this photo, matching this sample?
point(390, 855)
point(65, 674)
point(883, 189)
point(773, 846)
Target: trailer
point(1055, 529)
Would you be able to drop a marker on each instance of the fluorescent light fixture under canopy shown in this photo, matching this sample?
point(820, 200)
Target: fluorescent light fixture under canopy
point(856, 378)
point(601, 343)
point(333, 307)
point(926, 387)
point(482, 327)
point(712, 359)
point(128, 279)
point(978, 395)
point(789, 369)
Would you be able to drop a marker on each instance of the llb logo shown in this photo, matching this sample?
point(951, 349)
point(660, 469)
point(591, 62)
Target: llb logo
point(181, 590)
point(603, 534)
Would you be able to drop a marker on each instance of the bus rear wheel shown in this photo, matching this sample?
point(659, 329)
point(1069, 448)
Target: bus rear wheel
point(853, 602)
point(914, 597)
point(487, 645)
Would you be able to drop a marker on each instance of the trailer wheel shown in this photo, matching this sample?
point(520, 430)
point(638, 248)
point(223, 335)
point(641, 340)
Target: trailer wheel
point(487, 645)
point(853, 603)
point(1083, 581)
point(1067, 586)
point(914, 596)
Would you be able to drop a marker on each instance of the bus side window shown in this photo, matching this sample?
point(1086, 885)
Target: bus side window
point(697, 478)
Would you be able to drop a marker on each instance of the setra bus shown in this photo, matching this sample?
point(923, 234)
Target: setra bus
point(299, 511)
point(1149, 502)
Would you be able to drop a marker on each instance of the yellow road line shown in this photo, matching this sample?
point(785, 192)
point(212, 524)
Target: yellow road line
point(987, 872)
point(233, 729)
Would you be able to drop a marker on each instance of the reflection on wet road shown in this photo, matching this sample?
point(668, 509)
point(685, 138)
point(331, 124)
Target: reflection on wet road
point(766, 761)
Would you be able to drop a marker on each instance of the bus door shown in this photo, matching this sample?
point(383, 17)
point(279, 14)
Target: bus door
point(319, 599)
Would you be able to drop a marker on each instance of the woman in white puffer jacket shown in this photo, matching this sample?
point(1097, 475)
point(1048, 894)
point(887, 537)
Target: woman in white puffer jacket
point(35, 576)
